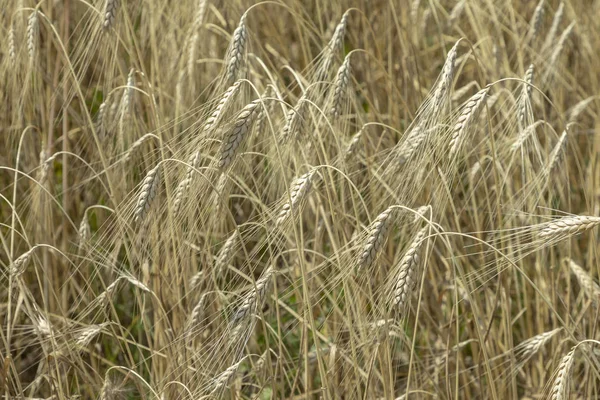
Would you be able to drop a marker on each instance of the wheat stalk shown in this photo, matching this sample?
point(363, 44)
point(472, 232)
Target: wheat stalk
point(554, 27)
point(354, 142)
point(255, 298)
point(294, 120)
point(526, 95)
point(524, 135)
point(560, 387)
point(12, 52)
point(378, 233)
point(579, 107)
point(552, 61)
point(226, 253)
point(405, 280)
point(216, 115)
point(196, 317)
point(299, 189)
point(333, 47)
point(222, 381)
point(468, 116)
point(110, 13)
point(591, 288)
point(128, 94)
point(32, 35)
point(266, 109)
point(409, 146)
point(556, 155)
point(147, 194)
point(88, 334)
point(137, 283)
point(531, 346)
point(445, 83)
point(238, 133)
point(536, 20)
point(568, 226)
point(195, 35)
point(195, 280)
point(455, 13)
point(105, 297)
point(219, 193)
point(84, 230)
point(18, 266)
point(184, 186)
point(235, 55)
point(136, 145)
point(340, 86)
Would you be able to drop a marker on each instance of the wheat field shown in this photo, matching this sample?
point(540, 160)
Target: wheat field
point(290, 199)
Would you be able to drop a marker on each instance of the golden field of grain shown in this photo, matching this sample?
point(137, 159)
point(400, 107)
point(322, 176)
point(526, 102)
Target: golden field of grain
point(300, 199)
